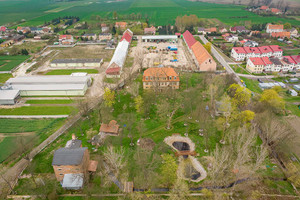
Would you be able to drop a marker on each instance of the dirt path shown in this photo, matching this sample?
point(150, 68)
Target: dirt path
point(16, 134)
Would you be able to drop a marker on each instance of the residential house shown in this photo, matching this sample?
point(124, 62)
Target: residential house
point(18, 38)
point(254, 33)
point(293, 32)
point(250, 43)
point(105, 36)
point(72, 159)
point(121, 25)
point(7, 43)
point(276, 11)
point(277, 51)
point(90, 36)
point(274, 28)
point(266, 51)
point(277, 64)
point(201, 30)
point(112, 128)
point(238, 53)
point(238, 29)
point(223, 30)
point(296, 58)
point(150, 31)
point(160, 77)
point(265, 8)
point(255, 65)
point(230, 38)
point(2, 29)
point(46, 30)
point(211, 30)
point(204, 61)
point(23, 30)
point(66, 39)
point(283, 34)
point(36, 30)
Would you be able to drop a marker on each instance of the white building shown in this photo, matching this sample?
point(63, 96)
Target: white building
point(76, 63)
point(9, 96)
point(274, 28)
point(160, 38)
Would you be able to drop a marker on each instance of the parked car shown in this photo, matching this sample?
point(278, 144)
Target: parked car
point(259, 80)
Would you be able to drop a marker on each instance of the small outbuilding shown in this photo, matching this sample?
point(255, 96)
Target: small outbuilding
point(76, 63)
point(111, 128)
point(9, 97)
point(297, 87)
point(160, 38)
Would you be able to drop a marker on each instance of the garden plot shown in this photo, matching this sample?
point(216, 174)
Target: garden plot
point(157, 54)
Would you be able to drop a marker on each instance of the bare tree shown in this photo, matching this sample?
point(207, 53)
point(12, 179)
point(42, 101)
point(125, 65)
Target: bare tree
point(115, 159)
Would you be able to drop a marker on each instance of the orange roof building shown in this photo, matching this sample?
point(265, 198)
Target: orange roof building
point(111, 128)
point(160, 77)
point(281, 35)
point(274, 28)
point(121, 25)
point(204, 60)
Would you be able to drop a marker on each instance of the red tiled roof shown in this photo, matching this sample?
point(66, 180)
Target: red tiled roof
point(275, 10)
point(3, 28)
point(264, 7)
point(265, 49)
point(247, 50)
point(289, 59)
point(160, 72)
point(257, 61)
point(200, 53)
point(178, 34)
point(189, 38)
point(151, 29)
point(266, 61)
point(296, 58)
point(126, 37)
point(275, 48)
point(281, 34)
point(275, 27)
point(112, 70)
point(239, 50)
point(65, 36)
point(111, 127)
point(255, 50)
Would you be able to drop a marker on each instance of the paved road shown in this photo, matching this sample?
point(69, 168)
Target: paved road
point(221, 60)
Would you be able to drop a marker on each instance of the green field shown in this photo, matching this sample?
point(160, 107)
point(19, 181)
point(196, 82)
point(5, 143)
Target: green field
point(5, 77)
point(8, 63)
point(38, 129)
point(70, 71)
point(252, 85)
point(38, 110)
point(291, 52)
point(159, 12)
point(46, 101)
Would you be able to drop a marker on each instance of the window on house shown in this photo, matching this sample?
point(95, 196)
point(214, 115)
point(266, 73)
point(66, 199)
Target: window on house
point(61, 174)
point(59, 169)
point(170, 77)
point(175, 77)
point(146, 77)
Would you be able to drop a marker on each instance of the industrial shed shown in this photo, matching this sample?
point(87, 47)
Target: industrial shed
point(76, 63)
point(51, 85)
point(9, 97)
point(160, 38)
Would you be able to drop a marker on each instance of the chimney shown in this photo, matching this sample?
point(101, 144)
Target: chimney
point(73, 137)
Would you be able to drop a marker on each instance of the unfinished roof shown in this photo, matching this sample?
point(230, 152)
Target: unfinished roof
point(65, 156)
point(159, 37)
point(111, 127)
point(275, 61)
point(9, 94)
point(58, 61)
point(73, 144)
point(201, 53)
point(48, 80)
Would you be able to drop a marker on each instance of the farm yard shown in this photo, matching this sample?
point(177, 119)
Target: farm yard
point(159, 12)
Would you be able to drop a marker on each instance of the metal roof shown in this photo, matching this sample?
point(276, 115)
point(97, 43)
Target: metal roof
point(48, 80)
point(73, 144)
point(57, 61)
point(49, 87)
point(9, 94)
point(120, 54)
point(159, 37)
point(73, 181)
point(66, 156)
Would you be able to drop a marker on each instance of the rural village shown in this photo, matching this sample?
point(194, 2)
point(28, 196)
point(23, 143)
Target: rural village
point(120, 107)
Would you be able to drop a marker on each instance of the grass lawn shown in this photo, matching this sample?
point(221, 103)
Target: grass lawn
point(238, 69)
point(70, 71)
point(50, 101)
point(38, 110)
point(252, 85)
point(12, 145)
point(5, 77)
point(8, 63)
point(293, 108)
point(291, 52)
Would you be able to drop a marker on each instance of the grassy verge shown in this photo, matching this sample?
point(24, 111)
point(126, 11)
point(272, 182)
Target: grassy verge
point(252, 85)
point(5, 77)
point(7, 63)
point(38, 110)
point(293, 108)
point(239, 70)
point(70, 71)
point(50, 101)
